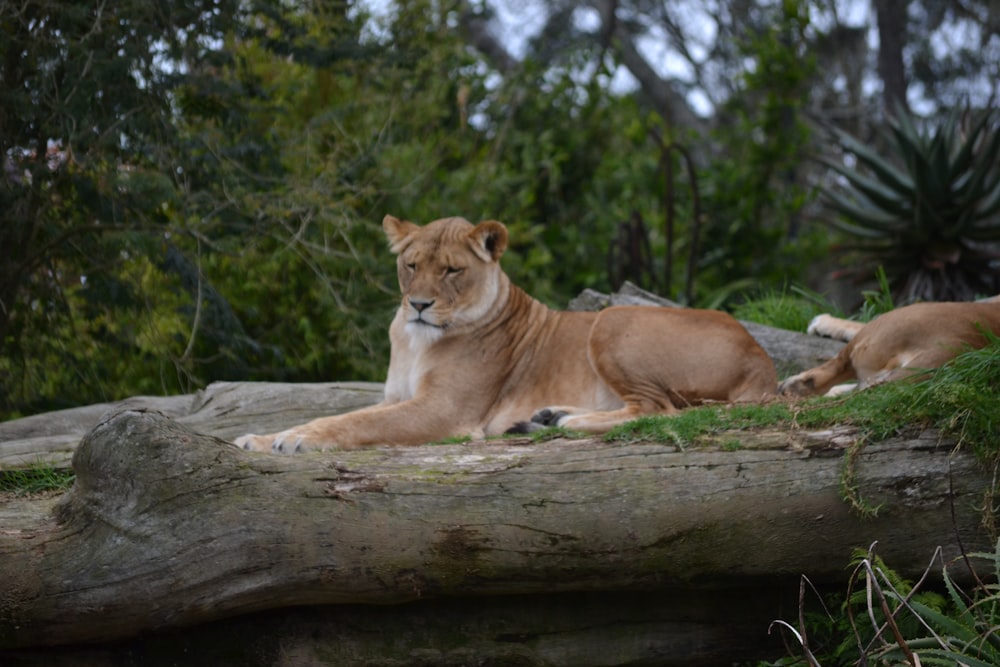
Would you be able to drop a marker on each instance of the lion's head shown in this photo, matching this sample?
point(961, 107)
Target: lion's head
point(449, 272)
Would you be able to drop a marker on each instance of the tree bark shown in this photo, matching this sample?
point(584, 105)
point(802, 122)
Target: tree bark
point(224, 409)
point(166, 528)
point(892, 29)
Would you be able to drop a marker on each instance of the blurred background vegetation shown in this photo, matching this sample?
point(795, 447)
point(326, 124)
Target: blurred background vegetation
point(192, 191)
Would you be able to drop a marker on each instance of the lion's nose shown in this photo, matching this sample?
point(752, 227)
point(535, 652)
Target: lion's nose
point(420, 305)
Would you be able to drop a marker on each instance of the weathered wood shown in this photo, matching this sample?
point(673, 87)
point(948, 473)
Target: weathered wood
point(167, 528)
point(225, 409)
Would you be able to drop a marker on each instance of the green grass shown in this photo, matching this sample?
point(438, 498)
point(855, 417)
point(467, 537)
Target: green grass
point(960, 399)
point(877, 301)
point(689, 427)
point(453, 440)
point(35, 479)
point(791, 308)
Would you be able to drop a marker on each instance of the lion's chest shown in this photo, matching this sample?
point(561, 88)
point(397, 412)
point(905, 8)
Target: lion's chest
point(410, 364)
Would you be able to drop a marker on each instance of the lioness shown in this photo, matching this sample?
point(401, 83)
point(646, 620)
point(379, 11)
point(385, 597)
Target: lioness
point(896, 345)
point(472, 354)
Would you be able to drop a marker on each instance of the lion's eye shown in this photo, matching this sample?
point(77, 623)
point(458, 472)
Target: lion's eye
point(454, 270)
point(411, 266)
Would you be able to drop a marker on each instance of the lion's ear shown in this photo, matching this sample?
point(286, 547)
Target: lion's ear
point(398, 231)
point(489, 239)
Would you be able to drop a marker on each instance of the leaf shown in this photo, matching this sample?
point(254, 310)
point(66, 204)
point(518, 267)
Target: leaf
point(875, 191)
point(866, 220)
point(963, 157)
point(954, 630)
point(985, 175)
point(948, 657)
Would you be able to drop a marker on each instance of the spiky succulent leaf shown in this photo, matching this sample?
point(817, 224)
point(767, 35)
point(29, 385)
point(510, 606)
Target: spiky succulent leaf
point(862, 220)
point(875, 191)
point(935, 194)
point(882, 168)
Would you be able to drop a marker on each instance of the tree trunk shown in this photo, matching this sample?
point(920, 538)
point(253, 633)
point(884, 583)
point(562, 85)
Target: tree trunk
point(892, 29)
point(561, 552)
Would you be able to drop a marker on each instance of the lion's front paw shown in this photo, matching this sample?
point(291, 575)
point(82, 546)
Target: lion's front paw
point(250, 442)
point(286, 442)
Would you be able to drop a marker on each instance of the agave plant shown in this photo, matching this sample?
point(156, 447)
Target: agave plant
point(927, 209)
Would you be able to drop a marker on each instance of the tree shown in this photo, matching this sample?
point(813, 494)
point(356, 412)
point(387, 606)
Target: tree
point(892, 34)
point(87, 142)
point(719, 91)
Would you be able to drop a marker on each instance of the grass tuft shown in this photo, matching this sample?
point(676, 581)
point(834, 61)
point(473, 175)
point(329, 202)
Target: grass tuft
point(792, 308)
point(36, 479)
point(688, 426)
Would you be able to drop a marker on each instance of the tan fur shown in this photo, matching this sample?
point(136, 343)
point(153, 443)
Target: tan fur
point(834, 327)
point(896, 345)
point(472, 354)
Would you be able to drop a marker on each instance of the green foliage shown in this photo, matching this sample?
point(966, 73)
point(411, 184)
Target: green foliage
point(925, 205)
point(961, 398)
point(886, 620)
point(790, 308)
point(755, 188)
point(694, 425)
point(88, 194)
point(35, 479)
point(877, 302)
point(89, 333)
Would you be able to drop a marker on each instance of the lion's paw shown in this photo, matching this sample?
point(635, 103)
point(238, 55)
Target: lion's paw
point(286, 442)
point(836, 328)
point(542, 419)
point(549, 417)
point(819, 326)
point(797, 385)
point(523, 428)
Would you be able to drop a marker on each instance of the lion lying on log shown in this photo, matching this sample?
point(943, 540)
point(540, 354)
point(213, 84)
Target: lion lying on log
point(472, 354)
point(897, 344)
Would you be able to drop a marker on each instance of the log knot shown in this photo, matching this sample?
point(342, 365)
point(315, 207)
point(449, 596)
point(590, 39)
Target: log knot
point(130, 461)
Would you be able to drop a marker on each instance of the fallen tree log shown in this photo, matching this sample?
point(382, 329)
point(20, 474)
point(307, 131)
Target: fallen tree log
point(508, 547)
point(225, 409)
